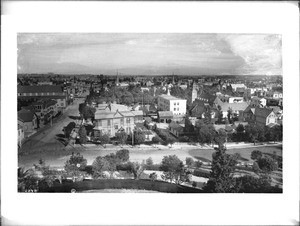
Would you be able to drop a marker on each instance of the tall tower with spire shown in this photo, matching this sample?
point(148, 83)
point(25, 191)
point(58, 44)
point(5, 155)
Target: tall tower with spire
point(194, 92)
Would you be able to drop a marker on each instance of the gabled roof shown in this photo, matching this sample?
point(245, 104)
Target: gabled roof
point(234, 106)
point(263, 112)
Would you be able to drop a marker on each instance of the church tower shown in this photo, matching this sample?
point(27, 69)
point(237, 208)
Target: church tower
point(194, 92)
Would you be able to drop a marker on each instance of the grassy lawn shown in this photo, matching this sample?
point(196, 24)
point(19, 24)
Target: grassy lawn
point(205, 155)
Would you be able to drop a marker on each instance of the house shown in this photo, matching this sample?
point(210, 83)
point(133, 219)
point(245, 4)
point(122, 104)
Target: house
point(235, 99)
point(28, 120)
point(166, 102)
point(113, 118)
point(258, 102)
point(45, 109)
point(265, 116)
point(165, 116)
point(176, 129)
point(236, 86)
point(248, 114)
point(236, 108)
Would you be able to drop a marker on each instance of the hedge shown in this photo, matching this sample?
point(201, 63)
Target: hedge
point(201, 173)
point(160, 186)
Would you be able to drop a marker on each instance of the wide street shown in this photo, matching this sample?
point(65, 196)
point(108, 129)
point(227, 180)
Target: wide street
point(45, 138)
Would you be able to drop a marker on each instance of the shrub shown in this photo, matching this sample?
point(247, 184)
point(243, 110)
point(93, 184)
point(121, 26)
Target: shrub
point(201, 173)
point(198, 164)
point(189, 161)
point(149, 161)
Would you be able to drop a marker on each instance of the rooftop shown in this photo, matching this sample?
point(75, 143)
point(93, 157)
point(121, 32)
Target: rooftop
point(169, 97)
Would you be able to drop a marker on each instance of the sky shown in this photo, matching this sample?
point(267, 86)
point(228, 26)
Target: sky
point(150, 53)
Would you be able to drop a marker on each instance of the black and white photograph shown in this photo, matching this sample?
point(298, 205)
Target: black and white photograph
point(150, 112)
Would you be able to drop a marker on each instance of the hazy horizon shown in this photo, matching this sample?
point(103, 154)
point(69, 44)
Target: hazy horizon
point(149, 54)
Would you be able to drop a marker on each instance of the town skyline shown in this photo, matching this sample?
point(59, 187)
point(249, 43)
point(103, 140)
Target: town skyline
point(149, 54)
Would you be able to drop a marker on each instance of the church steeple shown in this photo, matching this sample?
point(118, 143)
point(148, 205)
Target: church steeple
point(194, 92)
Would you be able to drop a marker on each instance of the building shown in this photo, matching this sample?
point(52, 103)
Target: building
point(113, 118)
point(44, 92)
point(235, 86)
point(176, 129)
point(194, 93)
point(235, 99)
point(177, 106)
point(28, 120)
point(258, 102)
point(45, 109)
point(236, 108)
point(165, 116)
point(265, 116)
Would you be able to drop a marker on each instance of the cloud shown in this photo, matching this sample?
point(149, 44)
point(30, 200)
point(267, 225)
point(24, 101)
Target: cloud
point(261, 53)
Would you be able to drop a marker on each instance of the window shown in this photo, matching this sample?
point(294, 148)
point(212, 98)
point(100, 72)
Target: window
point(177, 109)
point(108, 122)
point(116, 126)
point(109, 132)
point(174, 103)
point(128, 120)
point(174, 109)
point(100, 123)
point(122, 121)
point(178, 103)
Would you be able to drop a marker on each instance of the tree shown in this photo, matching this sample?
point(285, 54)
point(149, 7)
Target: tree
point(27, 180)
point(205, 133)
point(220, 114)
point(255, 167)
point(267, 164)
point(149, 161)
point(223, 165)
point(75, 165)
point(100, 165)
point(250, 184)
point(139, 137)
point(68, 129)
point(256, 154)
point(229, 115)
point(153, 176)
point(123, 155)
point(121, 137)
point(251, 132)
point(221, 136)
point(189, 161)
point(172, 167)
point(136, 169)
point(76, 162)
point(156, 139)
point(127, 98)
point(240, 130)
point(104, 139)
point(82, 135)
